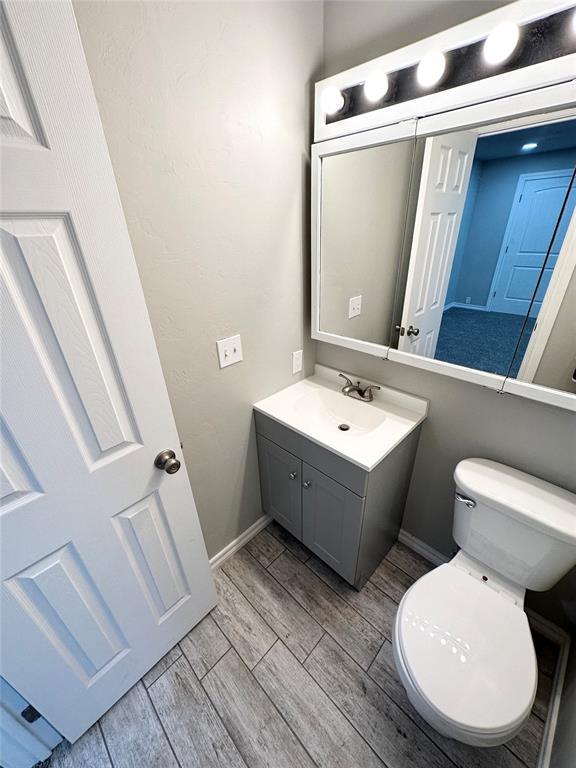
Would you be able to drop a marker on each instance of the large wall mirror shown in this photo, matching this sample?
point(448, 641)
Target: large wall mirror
point(458, 247)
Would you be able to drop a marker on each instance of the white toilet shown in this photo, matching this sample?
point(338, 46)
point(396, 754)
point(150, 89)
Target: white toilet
point(462, 643)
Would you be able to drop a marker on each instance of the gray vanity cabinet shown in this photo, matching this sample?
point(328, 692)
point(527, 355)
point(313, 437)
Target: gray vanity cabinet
point(347, 516)
point(281, 480)
point(331, 521)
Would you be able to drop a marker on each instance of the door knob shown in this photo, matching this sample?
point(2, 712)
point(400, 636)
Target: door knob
point(412, 331)
point(292, 475)
point(307, 484)
point(167, 461)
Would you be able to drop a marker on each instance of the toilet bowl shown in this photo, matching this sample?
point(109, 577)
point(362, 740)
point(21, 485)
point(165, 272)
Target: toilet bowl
point(462, 643)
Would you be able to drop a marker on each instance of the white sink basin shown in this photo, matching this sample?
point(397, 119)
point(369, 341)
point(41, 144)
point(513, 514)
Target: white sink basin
point(315, 407)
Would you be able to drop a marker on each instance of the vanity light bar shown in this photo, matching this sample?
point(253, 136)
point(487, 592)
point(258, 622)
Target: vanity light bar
point(508, 47)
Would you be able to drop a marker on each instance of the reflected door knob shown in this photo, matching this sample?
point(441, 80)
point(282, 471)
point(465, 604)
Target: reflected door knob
point(292, 475)
point(412, 331)
point(167, 461)
point(307, 484)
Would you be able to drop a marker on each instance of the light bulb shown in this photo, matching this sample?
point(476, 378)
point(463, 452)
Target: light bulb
point(529, 146)
point(376, 86)
point(331, 100)
point(501, 43)
point(431, 69)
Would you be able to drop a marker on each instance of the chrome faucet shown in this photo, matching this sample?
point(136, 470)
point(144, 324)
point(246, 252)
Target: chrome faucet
point(356, 391)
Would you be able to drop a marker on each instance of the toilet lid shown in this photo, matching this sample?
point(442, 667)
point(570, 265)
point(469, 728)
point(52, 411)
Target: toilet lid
point(468, 650)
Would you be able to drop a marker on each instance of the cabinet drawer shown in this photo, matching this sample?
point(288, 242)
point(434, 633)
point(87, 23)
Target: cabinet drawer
point(331, 521)
point(350, 475)
point(280, 481)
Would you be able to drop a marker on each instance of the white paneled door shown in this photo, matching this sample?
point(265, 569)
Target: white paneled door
point(103, 563)
point(443, 187)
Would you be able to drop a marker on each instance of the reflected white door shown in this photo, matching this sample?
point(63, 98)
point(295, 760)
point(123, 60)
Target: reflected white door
point(538, 200)
point(103, 563)
point(443, 187)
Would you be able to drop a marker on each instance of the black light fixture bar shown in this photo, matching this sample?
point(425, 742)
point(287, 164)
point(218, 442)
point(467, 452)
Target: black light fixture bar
point(540, 40)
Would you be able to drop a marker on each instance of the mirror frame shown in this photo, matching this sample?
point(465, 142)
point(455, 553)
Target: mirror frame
point(527, 102)
point(342, 145)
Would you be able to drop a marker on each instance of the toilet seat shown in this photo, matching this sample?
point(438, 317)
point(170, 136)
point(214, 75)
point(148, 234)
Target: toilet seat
point(466, 656)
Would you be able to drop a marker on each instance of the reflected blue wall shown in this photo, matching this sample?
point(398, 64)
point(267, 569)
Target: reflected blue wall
point(488, 205)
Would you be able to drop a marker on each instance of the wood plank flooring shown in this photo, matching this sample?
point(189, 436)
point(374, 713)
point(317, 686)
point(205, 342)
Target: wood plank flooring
point(292, 669)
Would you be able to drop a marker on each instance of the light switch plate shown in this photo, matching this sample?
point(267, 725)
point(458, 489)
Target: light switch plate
point(229, 351)
point(297, 361)
point(354, 306)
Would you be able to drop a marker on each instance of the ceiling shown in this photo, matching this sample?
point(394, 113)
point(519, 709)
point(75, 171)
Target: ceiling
point(550, 138)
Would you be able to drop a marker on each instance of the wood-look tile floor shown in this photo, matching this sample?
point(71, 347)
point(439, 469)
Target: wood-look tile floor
point(293, 668)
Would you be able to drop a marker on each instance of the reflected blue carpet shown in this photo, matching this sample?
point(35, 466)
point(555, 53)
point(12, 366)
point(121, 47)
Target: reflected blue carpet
point(482, 340)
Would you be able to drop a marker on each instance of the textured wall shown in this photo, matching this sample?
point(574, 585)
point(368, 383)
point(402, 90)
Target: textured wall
point(206, 110)
point(465, 419)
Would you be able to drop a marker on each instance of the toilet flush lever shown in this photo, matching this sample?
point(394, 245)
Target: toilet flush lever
point(470, 503)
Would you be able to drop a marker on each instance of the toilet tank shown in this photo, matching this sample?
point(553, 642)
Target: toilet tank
point(522, 527)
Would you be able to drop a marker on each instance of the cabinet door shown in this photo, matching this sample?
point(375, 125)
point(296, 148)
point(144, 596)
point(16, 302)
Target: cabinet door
point(280, 479)
point(331, 521)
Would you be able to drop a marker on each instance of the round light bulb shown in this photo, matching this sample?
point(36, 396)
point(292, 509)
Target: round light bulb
point(331, 100)
point(501, 43)
point(431, 69)
point(376, 86)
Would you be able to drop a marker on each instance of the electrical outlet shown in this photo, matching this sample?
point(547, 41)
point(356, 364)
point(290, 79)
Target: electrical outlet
point(229, 351)
point(297, 361)
point(354, 306)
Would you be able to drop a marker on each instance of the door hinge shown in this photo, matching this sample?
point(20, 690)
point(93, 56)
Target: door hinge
point(506, 251)
point(493, 294)
point(30, 714)
point(520, 198)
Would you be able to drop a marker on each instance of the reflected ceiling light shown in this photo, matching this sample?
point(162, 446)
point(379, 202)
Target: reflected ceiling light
point(501, 43)
point(331, 100)
point(529, 146)
point(376, 86)
point(431, 69)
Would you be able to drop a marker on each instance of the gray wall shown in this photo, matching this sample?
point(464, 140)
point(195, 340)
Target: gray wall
point(206, 110)
point(364, 198)
point(465, 420)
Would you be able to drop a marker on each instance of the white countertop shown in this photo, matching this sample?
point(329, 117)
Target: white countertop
point(314, 407)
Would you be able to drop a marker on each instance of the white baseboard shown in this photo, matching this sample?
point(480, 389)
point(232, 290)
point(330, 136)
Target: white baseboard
point(238, 543)
point(462, 305)
point(547, 628)
point(423, 549)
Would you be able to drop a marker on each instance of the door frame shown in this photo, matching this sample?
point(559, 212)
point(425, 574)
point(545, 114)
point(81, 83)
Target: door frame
point(522, 179)
point(561, 276)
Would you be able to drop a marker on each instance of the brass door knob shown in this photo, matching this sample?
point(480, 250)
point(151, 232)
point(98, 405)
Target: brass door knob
point(167, 461)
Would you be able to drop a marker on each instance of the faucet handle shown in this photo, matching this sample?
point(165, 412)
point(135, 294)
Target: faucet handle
point(367, 391)
point(349, 382)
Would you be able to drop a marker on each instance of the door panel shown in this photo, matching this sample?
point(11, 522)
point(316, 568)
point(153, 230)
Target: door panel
point(280, 479)
point(331, 521)
point(443, 187)
point(533, 218)
point(103, 564)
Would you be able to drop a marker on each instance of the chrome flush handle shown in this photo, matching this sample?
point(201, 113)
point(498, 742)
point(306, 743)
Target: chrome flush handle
point(470, 503)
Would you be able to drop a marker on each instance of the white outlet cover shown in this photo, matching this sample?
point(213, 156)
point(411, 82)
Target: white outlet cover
point(229, 351)
point(297, 361)
point(354, 306)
